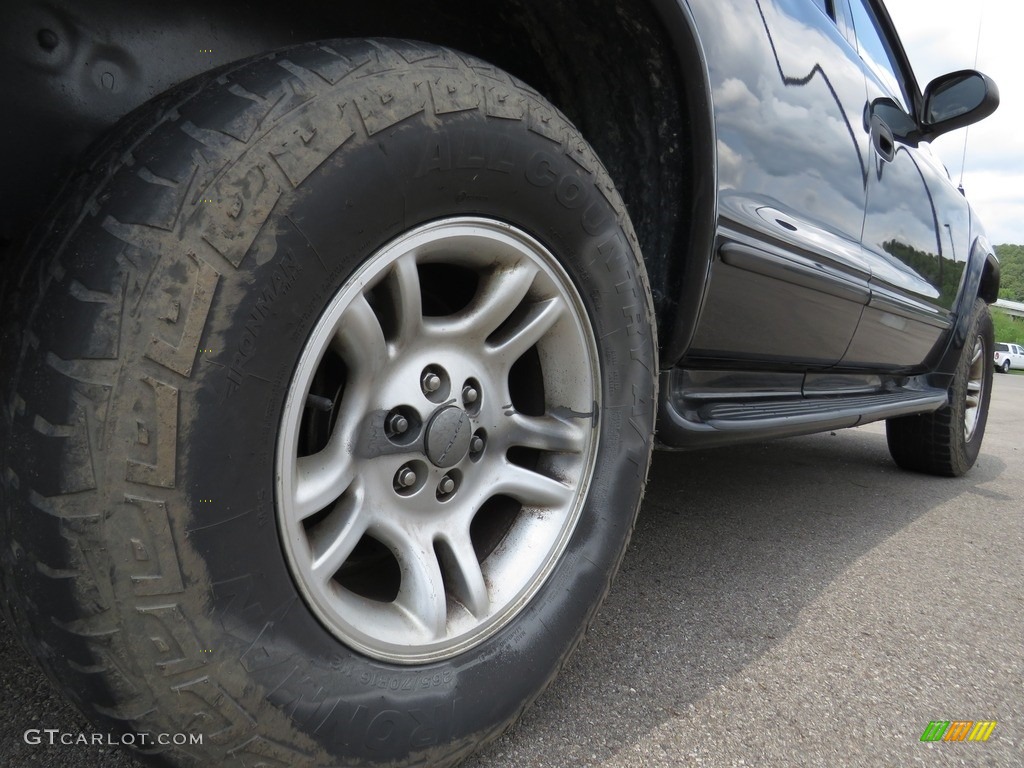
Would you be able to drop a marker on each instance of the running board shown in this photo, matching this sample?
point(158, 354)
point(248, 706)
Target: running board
point(699, 423)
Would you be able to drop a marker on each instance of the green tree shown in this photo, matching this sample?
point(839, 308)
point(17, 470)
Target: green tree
point(1011, 272)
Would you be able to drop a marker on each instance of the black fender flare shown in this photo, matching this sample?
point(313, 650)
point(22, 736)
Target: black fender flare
point(688, 277)
point(981, 279)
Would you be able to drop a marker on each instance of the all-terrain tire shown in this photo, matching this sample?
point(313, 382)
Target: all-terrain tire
point(148, 347)
point(947, 442)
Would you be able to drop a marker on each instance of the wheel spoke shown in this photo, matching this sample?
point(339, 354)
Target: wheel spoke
point(464, 574)
point(422, 593)
point(973, 394)
point(531, 488)
point(335, 538)
point(321, 479)
point(978, 351)
point(408, 298)
point(546, 433)
point(359, 339)
point(538, 321)
point(501, 294)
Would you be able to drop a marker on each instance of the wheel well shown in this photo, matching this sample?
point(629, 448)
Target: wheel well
point(615, 69)
point(612, 70)
point(988, 289)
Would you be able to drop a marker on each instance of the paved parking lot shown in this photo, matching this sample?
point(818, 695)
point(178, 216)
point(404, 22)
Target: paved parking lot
point(801, 602)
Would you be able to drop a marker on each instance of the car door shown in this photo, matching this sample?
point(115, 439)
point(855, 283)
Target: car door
point(788, 281)
point(917, 225)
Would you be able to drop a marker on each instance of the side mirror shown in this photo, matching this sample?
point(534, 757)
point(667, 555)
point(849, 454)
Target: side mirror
point(957, 100)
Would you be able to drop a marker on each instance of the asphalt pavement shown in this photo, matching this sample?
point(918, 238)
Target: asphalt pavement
point(795, 603)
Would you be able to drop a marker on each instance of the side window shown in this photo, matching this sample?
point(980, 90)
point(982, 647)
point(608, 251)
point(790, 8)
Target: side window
point(825, 6)
point(839, 12)
point(875, 51)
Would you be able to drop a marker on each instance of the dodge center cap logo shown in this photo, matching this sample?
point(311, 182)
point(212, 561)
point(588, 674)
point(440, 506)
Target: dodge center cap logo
point(448, 437)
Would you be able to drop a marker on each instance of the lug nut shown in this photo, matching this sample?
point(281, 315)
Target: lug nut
point(476, 444)
point(469, 395)
point(431, 382)
point(398, 424)
point(406, 477)
point(446, 486)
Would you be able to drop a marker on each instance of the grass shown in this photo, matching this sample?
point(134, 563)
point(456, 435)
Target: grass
point(1008, 330)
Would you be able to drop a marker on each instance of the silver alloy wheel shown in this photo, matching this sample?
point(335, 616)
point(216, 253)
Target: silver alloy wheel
point(438, 440)
point(976, 372)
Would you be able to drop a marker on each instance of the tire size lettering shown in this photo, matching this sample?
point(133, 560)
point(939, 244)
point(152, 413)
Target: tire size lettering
point(389, 683)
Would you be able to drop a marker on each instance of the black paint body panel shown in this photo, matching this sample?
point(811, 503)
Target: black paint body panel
point(829, 255)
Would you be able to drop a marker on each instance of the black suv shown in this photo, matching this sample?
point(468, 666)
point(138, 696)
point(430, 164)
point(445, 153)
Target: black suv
point(332, 362)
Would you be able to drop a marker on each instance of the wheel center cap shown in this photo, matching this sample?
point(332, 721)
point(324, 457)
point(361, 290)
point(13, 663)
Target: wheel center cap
point(448, 437)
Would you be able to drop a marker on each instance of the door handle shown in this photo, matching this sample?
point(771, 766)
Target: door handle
point(882, 139)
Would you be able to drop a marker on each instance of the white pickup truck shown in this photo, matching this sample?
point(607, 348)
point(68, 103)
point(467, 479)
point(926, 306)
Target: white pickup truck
point(1008, 356)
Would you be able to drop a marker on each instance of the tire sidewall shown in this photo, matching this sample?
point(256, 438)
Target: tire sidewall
point(967, 450)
